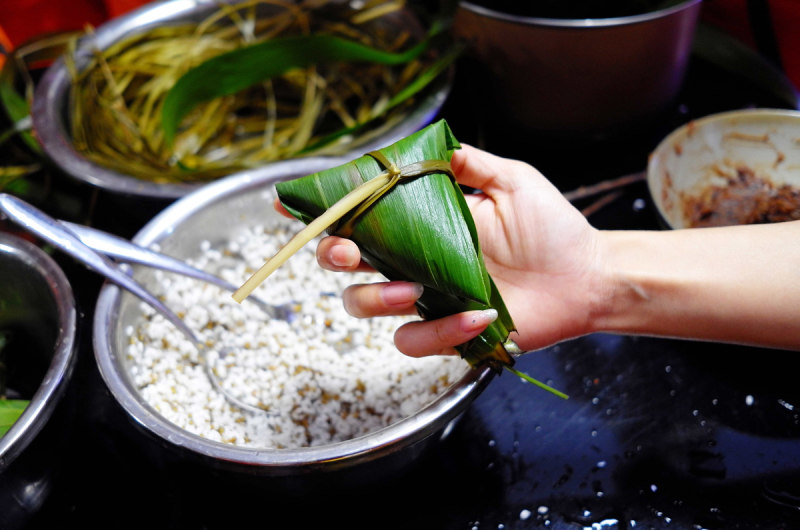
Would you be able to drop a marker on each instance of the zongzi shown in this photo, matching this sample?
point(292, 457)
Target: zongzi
point(408, 215)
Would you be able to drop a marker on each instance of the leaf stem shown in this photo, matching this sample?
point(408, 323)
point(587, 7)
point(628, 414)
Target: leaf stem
point(536, 382)
point(370, 190)
point(312, 230)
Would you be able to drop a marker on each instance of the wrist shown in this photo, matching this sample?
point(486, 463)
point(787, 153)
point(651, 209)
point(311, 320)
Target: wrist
point(632, 287)
point(732, 284)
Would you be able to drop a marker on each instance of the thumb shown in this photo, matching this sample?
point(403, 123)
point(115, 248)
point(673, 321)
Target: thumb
point(491, 174)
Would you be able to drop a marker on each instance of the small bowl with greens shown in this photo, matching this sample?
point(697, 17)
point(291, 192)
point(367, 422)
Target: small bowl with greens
point(38, 348)
point(175, 94)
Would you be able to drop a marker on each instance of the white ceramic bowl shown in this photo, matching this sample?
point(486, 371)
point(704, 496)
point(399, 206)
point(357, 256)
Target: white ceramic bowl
point(708, 151)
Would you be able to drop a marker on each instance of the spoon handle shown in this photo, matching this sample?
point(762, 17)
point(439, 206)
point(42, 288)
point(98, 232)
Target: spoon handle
point(122, 249)
point(61, 237)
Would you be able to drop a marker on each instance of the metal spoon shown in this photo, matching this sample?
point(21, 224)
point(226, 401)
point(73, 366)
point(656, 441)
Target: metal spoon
point(121, 249)
point(60, 235)
point(124, 250)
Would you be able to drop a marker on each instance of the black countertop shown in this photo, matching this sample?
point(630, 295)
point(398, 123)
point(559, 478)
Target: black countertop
point(657, 433)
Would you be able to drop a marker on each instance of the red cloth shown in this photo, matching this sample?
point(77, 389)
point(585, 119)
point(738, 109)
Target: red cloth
point(22, 20)
point(732, 16)
point(5, 45)
point(786, 21)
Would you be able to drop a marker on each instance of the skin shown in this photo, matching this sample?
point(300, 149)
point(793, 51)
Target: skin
point(562, 278)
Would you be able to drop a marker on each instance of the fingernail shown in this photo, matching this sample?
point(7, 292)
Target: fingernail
point(401, 293)
point(342, 255)
point(479, 319)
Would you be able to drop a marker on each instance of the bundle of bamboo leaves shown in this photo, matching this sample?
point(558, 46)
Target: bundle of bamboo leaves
point(403, 207)
point(257, 81)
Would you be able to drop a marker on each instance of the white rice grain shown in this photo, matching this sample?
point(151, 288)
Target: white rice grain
point(325, 377)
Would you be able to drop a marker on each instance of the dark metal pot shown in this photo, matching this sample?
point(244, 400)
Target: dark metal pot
point(580, 77)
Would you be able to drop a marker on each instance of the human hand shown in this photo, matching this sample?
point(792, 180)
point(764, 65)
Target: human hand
point(541, 252)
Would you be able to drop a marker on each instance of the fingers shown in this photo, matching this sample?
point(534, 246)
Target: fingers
point(340, 255)
point(476, 168)
point(440, 337)
point(487, 172)
point(380, 299)
point(333, 253)
point(419, 338)
point(280, 208)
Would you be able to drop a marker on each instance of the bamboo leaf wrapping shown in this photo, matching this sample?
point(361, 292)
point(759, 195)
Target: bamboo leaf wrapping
point(421, 231)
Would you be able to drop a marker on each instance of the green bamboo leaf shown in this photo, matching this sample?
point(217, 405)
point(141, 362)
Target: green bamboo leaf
point(244, 67)
point(11, 174)
point(15, 105)
point(10, 411)
point(16, 80)
point(420, 231)
point(17, 110)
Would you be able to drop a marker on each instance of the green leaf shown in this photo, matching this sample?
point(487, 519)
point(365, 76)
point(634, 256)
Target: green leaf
point(15, 105)
point(10, 411)
point(11, 174)
point(17, 85)
point(16, 108)
point(533, 381)
point(244, 67)
point(421, 81)
point(421, 231)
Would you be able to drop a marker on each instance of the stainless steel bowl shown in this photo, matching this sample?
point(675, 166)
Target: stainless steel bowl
point(214, 213)
point(704, 152)
point(51, 105)
point(37, 304)
point(581, 77)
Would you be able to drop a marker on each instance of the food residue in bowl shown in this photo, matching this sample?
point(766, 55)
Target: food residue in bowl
point(743, 198)
point(322, 378)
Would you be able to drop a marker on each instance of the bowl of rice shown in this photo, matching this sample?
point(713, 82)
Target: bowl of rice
point(336, 395)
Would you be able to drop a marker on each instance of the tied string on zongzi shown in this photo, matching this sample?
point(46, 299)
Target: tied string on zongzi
point(395, 175)
point(344, 213)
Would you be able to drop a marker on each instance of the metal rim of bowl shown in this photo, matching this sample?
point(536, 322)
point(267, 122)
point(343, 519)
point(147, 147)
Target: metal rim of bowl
point(576, 22)
point(52, 89)
point(431, 418)
point(653, 179)
point(54, 383)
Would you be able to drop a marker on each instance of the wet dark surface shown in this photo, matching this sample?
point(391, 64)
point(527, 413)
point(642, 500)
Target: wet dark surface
point(657, 433)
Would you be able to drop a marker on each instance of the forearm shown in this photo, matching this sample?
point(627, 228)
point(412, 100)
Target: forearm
point(737, 284)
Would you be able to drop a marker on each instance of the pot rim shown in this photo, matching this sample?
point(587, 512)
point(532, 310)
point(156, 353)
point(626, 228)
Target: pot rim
point(576, 22)
point(56, 378)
